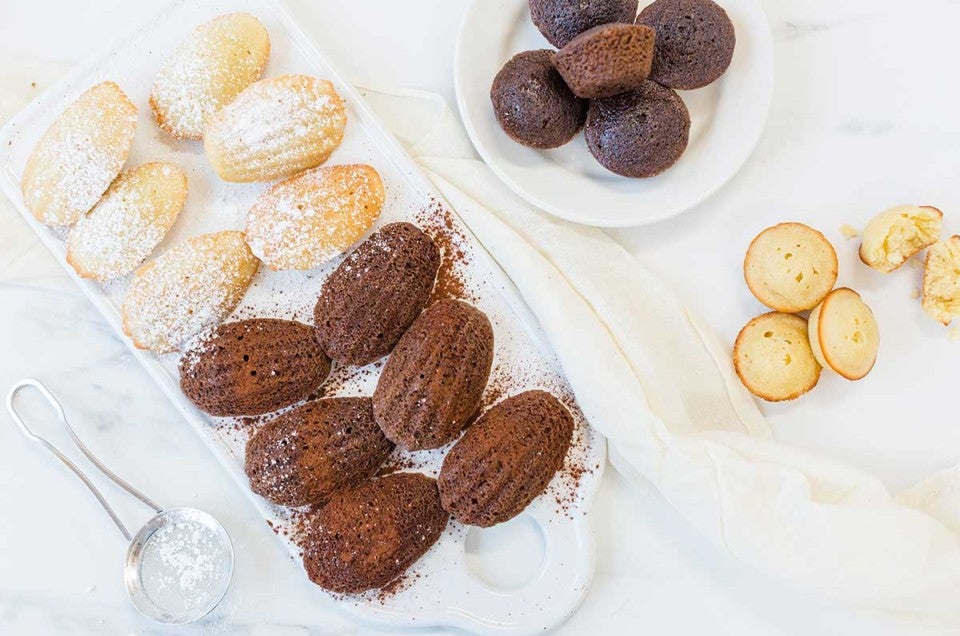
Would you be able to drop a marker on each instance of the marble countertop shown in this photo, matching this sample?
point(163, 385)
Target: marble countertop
point(862, 118)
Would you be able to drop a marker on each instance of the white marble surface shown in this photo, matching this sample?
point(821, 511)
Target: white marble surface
point(863, 117)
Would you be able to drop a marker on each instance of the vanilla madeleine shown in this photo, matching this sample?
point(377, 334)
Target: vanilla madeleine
point(207, 71)
point(78, 157)
point(276, 128)
point(192, 286)
point(129, 221)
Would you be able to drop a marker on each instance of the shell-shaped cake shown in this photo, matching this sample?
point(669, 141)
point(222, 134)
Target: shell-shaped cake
point(207, 71)
point(79, 156)
point(275, 128)
point(129, 221)
point(505, 459)
point(305, 221)
point(366, 537)
point(374, 295)
point(251, 367)
point(432, 383)
point(192, 286)
point(306, 455)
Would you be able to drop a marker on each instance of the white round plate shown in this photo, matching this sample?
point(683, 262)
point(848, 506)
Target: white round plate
point(727, 119)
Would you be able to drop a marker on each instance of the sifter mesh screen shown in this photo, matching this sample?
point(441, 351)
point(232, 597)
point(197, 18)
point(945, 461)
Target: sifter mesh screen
point(185, 567)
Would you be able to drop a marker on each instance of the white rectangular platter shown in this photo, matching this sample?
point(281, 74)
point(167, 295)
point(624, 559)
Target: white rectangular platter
point(538, 566)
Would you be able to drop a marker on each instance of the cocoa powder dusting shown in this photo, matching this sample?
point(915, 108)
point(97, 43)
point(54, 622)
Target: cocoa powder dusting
point(497, 387)
point(437, 221)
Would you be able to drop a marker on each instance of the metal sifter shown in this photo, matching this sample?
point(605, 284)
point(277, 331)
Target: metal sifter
point(179, 564)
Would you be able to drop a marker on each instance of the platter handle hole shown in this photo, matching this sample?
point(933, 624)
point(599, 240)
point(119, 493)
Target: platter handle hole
point(507, 556)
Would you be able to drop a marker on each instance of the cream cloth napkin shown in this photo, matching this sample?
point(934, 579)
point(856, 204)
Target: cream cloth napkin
point(663, 392)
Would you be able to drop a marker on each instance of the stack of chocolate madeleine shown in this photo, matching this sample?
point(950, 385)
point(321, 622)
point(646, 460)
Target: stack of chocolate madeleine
point(615, 75)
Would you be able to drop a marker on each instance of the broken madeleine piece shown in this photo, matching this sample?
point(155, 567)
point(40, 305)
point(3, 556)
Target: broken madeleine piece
point(894, 235)
point(941, 280)
point(773, 357)
point(844, 334)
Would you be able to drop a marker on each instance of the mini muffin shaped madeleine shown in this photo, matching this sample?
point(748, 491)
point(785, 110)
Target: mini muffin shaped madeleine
point(790, 267)
point(207, 71)
point(275, 128)
point(607, 60)
point(773, 357)
point(844, 335)
point(562, 20)
point(79, 156)
point(192, 286)
point(533, 104)
point(638, 134)
point(129, 221)
point(894, 235)
point(941, 280)
point(303, 222)
point(695, 42)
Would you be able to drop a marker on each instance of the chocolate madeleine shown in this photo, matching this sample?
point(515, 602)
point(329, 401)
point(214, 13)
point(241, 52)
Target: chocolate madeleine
point(252, 367)
point(505, 459)
point(369, 301)
point(307, 454)
point(432, 383)
point(562, 20)
point(366, 537)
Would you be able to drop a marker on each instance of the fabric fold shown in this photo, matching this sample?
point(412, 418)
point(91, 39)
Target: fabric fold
point(663, 391)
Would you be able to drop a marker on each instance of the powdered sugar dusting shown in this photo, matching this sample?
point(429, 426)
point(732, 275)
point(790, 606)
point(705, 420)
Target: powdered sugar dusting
point(184, 567)
point(275, 128)
point(129, 221)
point(188, 288)
point(307, 220)
point(207, 71)
point(80, 154)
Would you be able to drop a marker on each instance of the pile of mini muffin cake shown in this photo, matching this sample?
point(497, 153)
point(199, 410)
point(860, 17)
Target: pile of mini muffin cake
point(615, 75)
point(323, 454)
point(792, 268)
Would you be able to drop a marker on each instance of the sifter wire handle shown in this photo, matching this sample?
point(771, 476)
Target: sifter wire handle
point(83, 449)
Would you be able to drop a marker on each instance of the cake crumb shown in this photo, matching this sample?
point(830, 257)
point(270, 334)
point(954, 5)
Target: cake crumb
point(848, 231)
point(915, 294)
point(915, 263)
